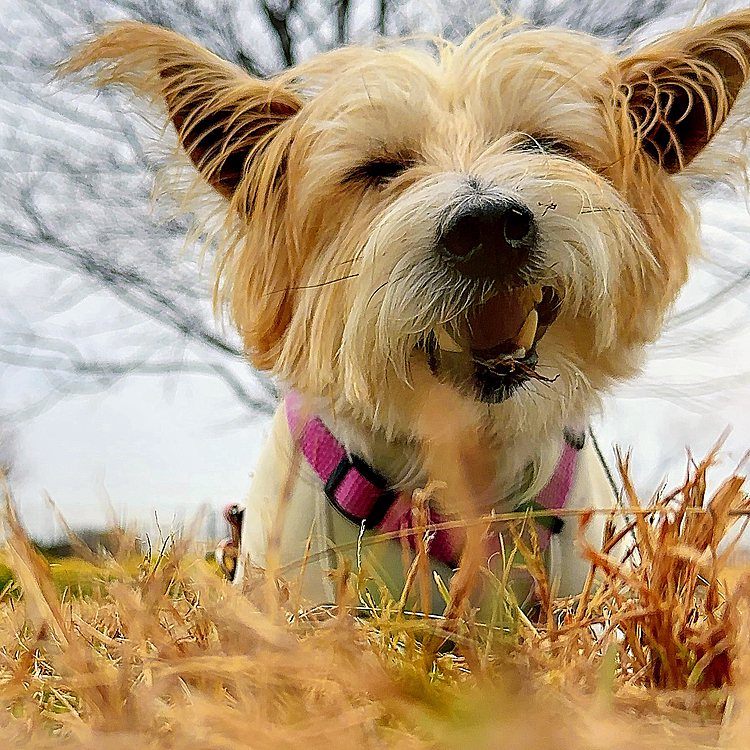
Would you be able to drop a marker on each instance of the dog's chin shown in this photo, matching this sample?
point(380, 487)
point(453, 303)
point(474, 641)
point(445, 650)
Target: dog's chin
point(493, 384)
point(492, 351)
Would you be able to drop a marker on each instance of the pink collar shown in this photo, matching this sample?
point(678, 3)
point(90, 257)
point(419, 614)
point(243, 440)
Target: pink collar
point(357, 491)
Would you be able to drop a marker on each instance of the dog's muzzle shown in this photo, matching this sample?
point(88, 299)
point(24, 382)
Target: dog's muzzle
point(491, 349)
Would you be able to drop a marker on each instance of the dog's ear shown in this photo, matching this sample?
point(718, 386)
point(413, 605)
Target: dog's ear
point(233, 128)
point(223, 116)
point(678, 92)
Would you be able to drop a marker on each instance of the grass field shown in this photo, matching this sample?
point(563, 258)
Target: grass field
point(125, 651)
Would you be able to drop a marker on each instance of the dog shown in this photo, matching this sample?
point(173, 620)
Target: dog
point(446, 259)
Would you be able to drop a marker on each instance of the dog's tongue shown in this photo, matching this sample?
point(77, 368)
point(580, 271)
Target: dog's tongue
point(504, 322)
point(505, 325)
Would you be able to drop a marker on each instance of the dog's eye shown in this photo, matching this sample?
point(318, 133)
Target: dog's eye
point(380, 170)
point(547, 143)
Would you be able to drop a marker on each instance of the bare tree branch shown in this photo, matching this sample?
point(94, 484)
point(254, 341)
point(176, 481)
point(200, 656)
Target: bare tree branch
point(278, 16)
point(342, 21)
point(382, 17)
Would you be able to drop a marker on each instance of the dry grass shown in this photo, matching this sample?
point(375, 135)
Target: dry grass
point(168, 656)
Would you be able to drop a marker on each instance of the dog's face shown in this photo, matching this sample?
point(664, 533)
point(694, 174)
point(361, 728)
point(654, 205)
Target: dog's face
point(503, 221)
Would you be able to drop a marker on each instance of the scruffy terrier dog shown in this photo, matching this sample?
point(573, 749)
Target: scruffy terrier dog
point(446, 259)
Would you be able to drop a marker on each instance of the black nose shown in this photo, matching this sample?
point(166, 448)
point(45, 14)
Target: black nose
point(488, 238)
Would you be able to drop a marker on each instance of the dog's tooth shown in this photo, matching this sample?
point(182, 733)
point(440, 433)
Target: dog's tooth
point(445, 341)
point(519, 353)
point(529, 297)
point(525, 337)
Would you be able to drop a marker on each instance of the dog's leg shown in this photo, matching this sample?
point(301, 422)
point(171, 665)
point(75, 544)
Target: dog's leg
point(305, 516)
point(591, 488)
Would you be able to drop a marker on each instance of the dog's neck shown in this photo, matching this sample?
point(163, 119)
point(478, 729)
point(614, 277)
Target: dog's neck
point(398, 460)
point(519, 475)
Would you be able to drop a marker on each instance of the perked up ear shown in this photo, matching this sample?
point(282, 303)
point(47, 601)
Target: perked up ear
point(229, 124)
point(222, 115)
point(678, 91)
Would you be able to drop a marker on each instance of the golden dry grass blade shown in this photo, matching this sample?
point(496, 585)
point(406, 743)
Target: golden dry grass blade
point(33, 574)
point(80, 548)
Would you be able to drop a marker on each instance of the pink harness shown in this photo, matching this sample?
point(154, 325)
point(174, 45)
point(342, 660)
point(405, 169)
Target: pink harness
point(357, 491)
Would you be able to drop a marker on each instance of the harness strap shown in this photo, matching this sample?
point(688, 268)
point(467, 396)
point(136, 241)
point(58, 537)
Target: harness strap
point(362, 495)
point(352, 486)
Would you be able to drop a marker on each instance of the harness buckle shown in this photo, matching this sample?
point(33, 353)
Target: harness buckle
point(383, 501)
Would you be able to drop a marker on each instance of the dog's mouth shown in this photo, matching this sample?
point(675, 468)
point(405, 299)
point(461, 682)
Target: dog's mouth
point(492, 350)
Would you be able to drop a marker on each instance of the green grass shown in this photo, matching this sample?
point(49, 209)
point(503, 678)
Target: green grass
point(73, 575)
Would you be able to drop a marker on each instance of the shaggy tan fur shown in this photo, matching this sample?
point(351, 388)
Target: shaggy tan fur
point(330, 273)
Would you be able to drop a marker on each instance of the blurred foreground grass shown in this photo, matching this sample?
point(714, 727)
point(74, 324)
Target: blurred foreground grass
point(157, 652)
